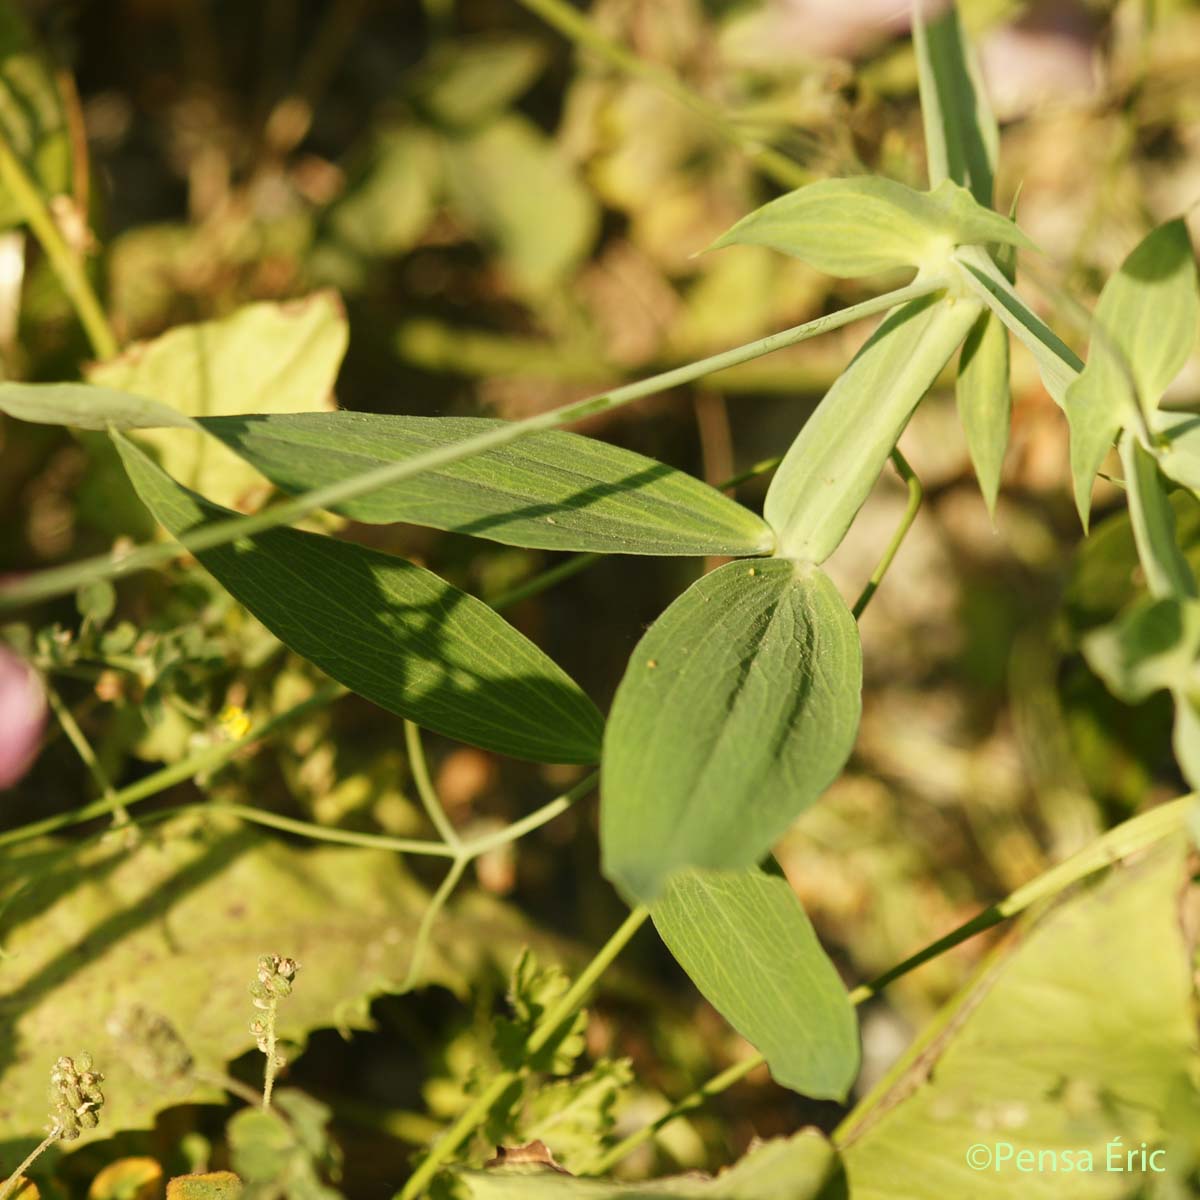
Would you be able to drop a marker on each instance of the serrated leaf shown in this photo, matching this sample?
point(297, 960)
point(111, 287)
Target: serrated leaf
point(107, 942)
point(802, 1167)
point(533, 990)
point(554, 491)
point(1168, 572)
point(833, 464)
point(746, 943)
point(1077, 1033)
point(390, 631)
point(574, 1117)
point(1144, 329)
point(1057, 363)
point(32, 118)
point(263, 358)
point(961, 136)
point(83, 406)
point(514, 188)
point(985, 402)
point(738, 708)
point(211, 1185)
point(867, 224)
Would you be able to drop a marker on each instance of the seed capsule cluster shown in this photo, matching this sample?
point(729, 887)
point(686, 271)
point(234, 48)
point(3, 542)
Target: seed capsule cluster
point(272, 983)
point(75, 1096)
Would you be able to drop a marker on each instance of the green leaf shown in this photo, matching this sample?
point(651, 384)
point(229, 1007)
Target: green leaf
point(285, 1153)
point(212, 1185)
point(533, 991)
point(511, 184)
point(867, 224)
point(145, 955)
point(32, 119)
point(985, 401)
point(738, 708)
point(1167, 570)
point(747, 944)
point(467, 82)
point(83, 406)
point(833, 464)
point(1057, 363)
point(263, 358)
point(961, 136)
point(555, 491)
point(802, 1167)
point(575, 1117)
point(1079, 1032)
point(390, 631)
point(1178, 453)
point(1144, 329)
point(1152, 646)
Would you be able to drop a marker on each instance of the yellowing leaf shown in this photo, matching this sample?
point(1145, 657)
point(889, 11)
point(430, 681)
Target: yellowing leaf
point(264, 358)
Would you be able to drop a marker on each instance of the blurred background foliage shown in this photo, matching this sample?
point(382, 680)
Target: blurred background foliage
point(512, 220)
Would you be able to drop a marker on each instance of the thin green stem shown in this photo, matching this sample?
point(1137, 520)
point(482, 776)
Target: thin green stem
point(573, 998)
point(60, 580)
point(535, 820)
point(439, 900)
point(545, 579)
point(574, 26)
point(204, 760)
point(759, 468)
point(10, 1184)
point(549, 1025)
point(272, 1058)
point(66, 265)
point(425, 789)
point(1127, 838)
point(83, 748)
point(915, 495)
point(323, 833)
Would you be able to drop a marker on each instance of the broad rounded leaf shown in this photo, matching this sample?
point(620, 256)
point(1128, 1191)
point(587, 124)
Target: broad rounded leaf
point(747, 944)
point(554, 491)
point(264, 357)
point(864, 225)
point(144, 956)
point(738, 708)
point(1082, 1033)
point(390, 631)
point(832, 465)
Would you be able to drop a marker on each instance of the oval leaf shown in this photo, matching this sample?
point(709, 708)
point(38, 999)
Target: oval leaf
point(746, 943)
point(864, 225)
point(390, 631)
point(553, 491)
point(738, 708)
point(832, 465)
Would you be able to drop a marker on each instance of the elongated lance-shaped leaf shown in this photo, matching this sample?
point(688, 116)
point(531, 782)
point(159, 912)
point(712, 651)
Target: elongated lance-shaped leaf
point(864, 225)
point(747, 944)
point(390, 631)
point(1057, 363)
point(985, 401)
point(1144, 329)
point(738, 708)
point(961, 136)
point(83, 406)
point(553, 490)
point(1167, 570)
point(834, 462)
